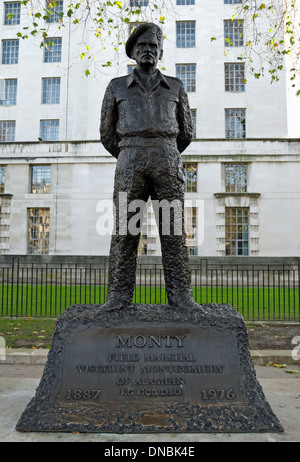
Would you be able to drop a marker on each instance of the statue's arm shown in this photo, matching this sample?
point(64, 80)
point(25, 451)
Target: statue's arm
point(108, 124)
point(184, 121)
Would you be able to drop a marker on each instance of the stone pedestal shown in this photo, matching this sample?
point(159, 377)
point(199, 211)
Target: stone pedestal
point(149, 369)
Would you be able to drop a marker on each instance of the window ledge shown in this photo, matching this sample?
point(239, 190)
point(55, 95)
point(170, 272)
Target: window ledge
point(244, 194)
point(6, 195)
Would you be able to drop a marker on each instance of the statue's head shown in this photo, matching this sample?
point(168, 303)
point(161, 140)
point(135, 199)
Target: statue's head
point(145, 44)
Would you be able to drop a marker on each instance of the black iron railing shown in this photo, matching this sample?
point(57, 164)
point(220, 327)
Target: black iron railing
point(264, 289)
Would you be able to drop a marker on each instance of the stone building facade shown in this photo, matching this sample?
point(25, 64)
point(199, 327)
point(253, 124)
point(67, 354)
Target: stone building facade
point(242, 198)
point(242, 169)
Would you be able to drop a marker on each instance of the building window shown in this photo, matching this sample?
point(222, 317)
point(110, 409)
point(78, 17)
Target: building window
point(235, 123)
point(7, 130)
point(12, 13)
point(233, 33)
point(234, 77)
point(133, 25)
point(149, 232)
point(2, 178)
point(8, 92)
point(51, 91)
point(185, 2)
point(237, 231)
point(191, 229)
point(236, 178)
point(190, 173)
point(186, 34)
point(187, 74)
point(231, 2)
point(10, 51)
point(5, 207)
point(52, 50)
point(54, 10)
point(130, 68)
point(40, 179)
point(142, 249)
point(194, 122)
point(50, 130)
point(38, 231)
point(138, 3)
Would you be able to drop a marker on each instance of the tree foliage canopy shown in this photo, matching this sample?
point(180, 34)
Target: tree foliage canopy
point(272, 37)
point(272, 28)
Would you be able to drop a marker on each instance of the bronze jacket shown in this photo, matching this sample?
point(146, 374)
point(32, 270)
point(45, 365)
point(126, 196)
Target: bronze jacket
point(129, 110)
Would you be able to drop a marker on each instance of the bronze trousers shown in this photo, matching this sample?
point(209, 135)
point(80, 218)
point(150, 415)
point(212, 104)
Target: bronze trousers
point(146, 168)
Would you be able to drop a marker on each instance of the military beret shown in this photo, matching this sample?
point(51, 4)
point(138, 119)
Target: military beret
point(139, 30)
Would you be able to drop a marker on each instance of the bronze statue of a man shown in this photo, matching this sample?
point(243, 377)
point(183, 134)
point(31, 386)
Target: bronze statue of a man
point(146, 124)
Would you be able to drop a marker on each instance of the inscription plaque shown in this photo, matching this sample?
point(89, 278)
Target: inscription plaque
point(129, 365)
point(155, 370)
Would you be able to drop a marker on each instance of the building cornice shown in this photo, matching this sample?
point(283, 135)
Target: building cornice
point(200, 150)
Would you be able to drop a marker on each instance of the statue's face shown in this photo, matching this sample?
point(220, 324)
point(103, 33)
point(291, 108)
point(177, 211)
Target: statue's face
point(147, 50)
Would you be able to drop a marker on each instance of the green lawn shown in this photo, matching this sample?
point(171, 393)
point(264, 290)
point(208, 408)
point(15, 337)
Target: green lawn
point(252, 303)
point(255, 303)
point(27, 332)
